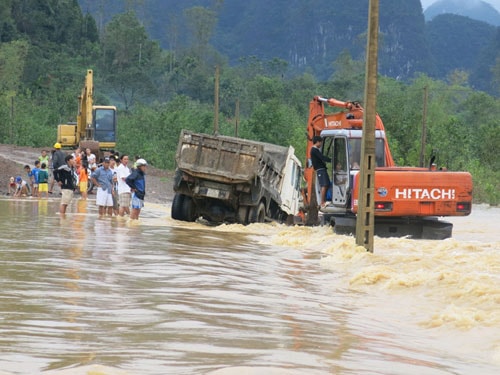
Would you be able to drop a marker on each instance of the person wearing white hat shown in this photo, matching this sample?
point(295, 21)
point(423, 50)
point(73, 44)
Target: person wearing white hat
point(137, 182)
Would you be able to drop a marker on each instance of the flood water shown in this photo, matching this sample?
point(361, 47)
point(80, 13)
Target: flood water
point(159, 296)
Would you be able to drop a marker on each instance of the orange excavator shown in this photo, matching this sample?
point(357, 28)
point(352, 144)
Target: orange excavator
point(408, 200)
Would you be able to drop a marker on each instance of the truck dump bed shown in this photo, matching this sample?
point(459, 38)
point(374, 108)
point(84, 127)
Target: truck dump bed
point(228, 159)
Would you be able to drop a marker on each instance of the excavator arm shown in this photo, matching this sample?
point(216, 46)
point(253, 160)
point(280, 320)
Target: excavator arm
point(95, 126)
point(85, 102)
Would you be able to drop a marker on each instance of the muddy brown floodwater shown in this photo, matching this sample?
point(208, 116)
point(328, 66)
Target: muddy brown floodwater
point(89, 295)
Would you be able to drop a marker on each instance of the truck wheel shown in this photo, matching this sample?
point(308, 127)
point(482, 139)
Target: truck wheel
point(257, 213)
point(312, 217)
point(189, 209)
point(243, 215)
point(177, 204)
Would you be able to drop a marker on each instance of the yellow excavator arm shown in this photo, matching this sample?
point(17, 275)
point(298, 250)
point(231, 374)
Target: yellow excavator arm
point(95, 125)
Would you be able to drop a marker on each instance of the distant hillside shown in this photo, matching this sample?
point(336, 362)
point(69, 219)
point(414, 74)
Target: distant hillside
point(475, 9)
point(456, 42)
point(309, 35)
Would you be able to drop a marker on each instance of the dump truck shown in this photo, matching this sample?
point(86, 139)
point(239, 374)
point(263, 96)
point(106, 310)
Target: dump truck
point(408, 201)
point(234, 180)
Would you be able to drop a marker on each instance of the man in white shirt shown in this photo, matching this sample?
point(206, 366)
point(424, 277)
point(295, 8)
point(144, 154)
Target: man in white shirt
point(124, 194)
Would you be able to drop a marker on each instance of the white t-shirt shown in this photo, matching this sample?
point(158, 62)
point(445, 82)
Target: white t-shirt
point(92, 161)
point(122, 172)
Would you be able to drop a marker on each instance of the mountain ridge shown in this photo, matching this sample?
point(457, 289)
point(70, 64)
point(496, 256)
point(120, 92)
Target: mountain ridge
point(309, 36)
point(478, 10)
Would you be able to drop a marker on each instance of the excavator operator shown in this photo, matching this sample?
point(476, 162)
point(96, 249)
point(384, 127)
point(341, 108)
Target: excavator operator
point(318, 161)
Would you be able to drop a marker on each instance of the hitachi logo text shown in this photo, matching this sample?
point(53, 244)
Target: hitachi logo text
point(433, 194)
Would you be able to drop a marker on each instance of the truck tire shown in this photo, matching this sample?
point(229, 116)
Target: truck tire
point(257, 213)
point(312, 214)
point(243, 215)
point(177, 207)
point(189, 209)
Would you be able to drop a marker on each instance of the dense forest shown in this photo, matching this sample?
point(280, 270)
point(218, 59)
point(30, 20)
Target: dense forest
point(47, 46)
point(309, 34)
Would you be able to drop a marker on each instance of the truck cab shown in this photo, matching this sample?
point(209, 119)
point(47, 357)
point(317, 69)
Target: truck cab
point(291, 198)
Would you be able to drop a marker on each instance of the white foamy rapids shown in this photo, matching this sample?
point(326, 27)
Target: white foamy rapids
point(451, 282)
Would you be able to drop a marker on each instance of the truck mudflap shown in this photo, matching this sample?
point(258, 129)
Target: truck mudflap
point(427, 228)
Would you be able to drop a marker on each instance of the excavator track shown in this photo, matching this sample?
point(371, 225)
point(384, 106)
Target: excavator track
point(426, 228)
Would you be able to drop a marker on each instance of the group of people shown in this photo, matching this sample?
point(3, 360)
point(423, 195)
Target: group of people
point(120, 189)
point(35, 185)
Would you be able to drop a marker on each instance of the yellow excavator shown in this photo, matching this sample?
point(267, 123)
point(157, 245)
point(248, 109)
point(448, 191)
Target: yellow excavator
point(95, 126)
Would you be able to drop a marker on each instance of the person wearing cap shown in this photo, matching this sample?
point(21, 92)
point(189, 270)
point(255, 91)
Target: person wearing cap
point(66, 179)
point(58, 160)
point(137, 183)
point(102, 177)
point(21, 187)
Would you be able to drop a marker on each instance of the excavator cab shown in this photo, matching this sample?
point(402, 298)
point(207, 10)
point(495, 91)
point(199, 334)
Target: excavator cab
point(339, 192)
point(105, 125)
point(340, 172)
point(343, 147)
point(354, 146)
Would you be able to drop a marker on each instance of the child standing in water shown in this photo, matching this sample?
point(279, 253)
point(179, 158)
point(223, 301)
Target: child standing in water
point(84, 180)
point(43, 181)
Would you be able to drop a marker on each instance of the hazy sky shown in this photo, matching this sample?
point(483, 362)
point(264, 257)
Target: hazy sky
point(495, 3)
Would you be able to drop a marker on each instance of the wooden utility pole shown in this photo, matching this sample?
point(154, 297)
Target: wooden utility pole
point(365, 223)
point(424, 128)
point(216, 101)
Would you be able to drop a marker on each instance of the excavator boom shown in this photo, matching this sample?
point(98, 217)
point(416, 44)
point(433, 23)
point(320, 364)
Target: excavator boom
point(95, 126)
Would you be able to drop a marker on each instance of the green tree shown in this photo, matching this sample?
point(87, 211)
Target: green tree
point(8, 29)
point(129, 59)
point(495, 70)
point(400, 107)
point(347, 81)
point(480, 116)
point(12, 59)
point(201, 22)
point(153, 131)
